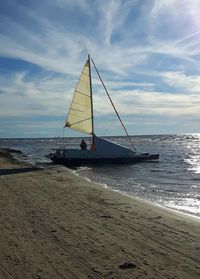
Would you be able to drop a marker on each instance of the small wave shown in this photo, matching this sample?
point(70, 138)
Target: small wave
point(171, 191)
point(186, 208)
point(83, 168)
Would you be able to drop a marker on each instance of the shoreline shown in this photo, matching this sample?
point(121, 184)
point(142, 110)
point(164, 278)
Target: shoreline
point(105, 186)
point(154, 204)
point(55, 224)
point(171, 209)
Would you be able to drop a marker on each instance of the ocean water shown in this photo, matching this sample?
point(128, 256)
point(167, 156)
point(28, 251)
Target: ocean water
point(173, 181)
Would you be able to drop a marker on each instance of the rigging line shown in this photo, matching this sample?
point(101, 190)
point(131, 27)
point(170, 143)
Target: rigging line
point(113, 104)
point(108, 128)
point(82, 120)
point(82, 93)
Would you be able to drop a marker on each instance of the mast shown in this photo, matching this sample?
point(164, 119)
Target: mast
point(113, 105)
point(91, 96)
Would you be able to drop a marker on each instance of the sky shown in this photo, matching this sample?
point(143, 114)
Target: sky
point(147, 52)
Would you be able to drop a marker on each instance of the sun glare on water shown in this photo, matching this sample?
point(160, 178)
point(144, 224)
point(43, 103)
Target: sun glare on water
point(193, 148)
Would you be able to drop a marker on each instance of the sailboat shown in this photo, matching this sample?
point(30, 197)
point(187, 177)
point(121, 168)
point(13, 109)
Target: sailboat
point(81, 118)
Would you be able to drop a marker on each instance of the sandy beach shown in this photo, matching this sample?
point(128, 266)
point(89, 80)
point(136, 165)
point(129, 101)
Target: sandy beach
point(57, 225)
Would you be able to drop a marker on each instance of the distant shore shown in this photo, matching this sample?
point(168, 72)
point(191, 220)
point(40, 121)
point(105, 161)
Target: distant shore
point(57, 225)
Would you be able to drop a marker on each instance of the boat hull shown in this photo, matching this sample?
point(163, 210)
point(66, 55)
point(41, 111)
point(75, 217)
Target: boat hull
point(76, 162)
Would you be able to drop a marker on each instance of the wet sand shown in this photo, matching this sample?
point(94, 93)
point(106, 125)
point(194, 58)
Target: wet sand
point(57, 225)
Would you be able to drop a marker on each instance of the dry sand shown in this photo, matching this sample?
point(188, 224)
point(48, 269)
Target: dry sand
point(57, 225)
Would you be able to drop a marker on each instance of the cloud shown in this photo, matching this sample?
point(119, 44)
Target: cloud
point(59, 49)
point(146, 52)
point(188, 83)
point(113, 14)
point(21, 97)
point(174, 28)
point(157, 103)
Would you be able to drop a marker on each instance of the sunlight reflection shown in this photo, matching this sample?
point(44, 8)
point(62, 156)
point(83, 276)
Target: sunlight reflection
point(194, 163)
point(193, 149)
point(185, 205)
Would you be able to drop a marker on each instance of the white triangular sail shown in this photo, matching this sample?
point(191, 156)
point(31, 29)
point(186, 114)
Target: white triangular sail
point(80, 113)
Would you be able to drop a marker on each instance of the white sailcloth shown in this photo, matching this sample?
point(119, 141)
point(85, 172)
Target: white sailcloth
point(80, 113)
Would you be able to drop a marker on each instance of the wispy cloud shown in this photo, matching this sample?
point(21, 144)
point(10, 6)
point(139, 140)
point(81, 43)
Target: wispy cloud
point(113, 14)
point(190, 84)
point(147, 52)
point(23, 98)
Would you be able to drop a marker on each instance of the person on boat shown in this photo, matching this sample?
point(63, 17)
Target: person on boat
point(83, 145)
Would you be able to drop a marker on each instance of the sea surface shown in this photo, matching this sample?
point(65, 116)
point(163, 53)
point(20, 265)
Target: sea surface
point(173, 181)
